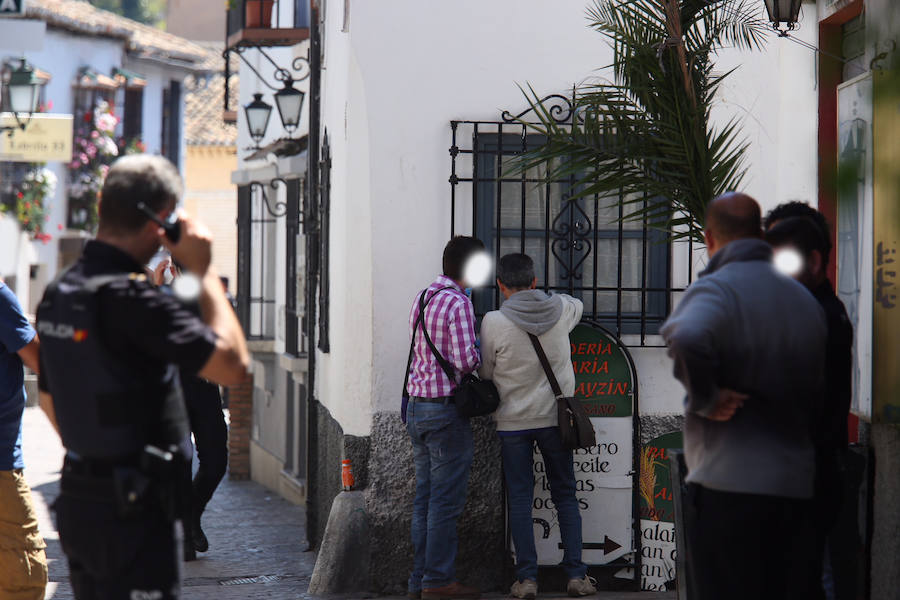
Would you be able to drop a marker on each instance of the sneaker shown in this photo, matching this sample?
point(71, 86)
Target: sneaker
point(582, 587)
point(524, 589)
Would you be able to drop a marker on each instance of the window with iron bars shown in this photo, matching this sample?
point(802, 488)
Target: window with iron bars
point(623, 271)
point(260, 213)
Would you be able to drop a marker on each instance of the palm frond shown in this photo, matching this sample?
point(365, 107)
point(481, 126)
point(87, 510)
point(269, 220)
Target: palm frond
point(645, 140)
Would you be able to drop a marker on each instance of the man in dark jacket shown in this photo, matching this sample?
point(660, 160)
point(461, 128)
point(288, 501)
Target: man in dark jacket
point(807, 236)
point(748, 346)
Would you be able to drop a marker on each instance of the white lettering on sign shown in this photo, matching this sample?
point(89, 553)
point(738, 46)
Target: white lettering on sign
point(604, 491)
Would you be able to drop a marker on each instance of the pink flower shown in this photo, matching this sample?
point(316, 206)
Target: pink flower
point(60, 227)
point(95, 134)
point(84, 158)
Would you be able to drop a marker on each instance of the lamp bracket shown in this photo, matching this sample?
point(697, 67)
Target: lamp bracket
point(275, 208)
point(298, 71)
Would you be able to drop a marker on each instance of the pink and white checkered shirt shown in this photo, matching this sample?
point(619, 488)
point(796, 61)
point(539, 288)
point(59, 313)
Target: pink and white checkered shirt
point(450, 319)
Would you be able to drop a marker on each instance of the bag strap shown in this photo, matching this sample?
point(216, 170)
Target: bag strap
point(554, 384)
point(445, 364)
point(419, 321)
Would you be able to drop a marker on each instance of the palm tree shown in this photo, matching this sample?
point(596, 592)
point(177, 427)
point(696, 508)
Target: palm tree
point(647, 135)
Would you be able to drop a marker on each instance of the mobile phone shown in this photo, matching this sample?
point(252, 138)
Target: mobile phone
point(171, 226)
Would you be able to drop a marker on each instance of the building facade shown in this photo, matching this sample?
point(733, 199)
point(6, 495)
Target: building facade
point(412, 116)
point(116, 77)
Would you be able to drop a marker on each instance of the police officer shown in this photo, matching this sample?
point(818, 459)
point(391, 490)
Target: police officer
point(112, 348)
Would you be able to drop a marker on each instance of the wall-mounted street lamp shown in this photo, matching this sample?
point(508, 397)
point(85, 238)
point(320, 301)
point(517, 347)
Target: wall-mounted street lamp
point(783, 11)
point(24, 89)
point(258, 113)
point(289, 101)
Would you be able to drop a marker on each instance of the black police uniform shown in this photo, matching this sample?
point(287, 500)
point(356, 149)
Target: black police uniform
point(111, 347)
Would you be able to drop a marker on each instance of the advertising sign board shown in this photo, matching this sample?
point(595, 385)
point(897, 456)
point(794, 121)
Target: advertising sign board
point(606, 384)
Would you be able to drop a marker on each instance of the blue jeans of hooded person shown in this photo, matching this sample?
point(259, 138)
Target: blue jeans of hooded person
point(442, 452)
point(518, 469)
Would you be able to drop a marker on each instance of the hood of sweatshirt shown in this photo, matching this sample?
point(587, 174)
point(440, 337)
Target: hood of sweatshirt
point(533, 310)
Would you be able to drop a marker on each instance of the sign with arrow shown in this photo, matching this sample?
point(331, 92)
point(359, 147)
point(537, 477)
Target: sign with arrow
point(12, 8)
point(604, 474)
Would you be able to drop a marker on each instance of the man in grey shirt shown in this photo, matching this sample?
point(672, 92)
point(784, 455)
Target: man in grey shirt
point(748, 345)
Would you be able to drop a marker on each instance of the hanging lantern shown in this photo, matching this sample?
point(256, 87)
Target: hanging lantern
point(783, 11)
point(258, 113)
point(290, 103)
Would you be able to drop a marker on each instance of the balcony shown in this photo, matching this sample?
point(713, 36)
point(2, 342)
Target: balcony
point(255, 23)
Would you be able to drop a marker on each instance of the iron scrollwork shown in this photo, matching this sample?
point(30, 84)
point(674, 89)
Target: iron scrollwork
point(299, 70)
point(278, 209)
point(560, 109)
point(571, 238)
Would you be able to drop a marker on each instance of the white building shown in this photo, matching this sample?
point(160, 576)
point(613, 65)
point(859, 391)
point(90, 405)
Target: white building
point(408, 137)
point(90, 56)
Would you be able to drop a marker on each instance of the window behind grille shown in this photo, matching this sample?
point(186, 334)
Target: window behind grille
point(622, 271)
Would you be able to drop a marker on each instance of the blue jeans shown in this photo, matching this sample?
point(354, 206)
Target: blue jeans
point(442, 451)
point(518, 470)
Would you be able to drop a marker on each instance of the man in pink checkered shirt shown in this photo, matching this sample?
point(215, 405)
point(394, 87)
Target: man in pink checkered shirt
point(441, 438)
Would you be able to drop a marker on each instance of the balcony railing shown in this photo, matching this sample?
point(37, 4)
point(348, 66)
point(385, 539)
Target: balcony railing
point(267, 22)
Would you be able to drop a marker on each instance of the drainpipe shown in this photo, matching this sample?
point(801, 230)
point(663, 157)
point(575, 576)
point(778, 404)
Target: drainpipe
point(311, 220)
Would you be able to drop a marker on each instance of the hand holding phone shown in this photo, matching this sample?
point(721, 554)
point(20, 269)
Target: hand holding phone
point(193, 250)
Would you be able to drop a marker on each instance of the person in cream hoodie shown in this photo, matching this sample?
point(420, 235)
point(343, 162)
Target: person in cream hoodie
point(527, 413)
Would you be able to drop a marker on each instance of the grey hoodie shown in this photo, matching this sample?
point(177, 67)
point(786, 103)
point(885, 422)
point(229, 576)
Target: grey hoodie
point(533, 310)
point(526, 399)
point(743, 326)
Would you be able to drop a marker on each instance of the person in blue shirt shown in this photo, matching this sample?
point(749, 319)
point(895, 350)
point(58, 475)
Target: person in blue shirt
point(23, 564)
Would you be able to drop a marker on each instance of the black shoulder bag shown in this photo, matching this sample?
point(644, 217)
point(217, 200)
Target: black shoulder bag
point(473, 396)
point(575, 426)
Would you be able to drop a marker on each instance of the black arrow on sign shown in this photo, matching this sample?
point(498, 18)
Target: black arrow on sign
point(607, 546)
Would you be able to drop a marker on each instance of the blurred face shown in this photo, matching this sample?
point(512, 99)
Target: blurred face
point(807, 269)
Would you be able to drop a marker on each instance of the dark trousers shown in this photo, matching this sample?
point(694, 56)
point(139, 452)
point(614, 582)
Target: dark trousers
point(204, 407)
point(113, 558)
point(744, 546)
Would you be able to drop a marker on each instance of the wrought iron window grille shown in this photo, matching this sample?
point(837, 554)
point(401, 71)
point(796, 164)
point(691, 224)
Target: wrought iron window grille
point(259, 215)
point(624, 272)
point(324, 240)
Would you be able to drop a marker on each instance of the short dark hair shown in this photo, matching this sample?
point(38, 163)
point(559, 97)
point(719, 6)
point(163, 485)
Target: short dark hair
point(457, 252)
point(516, 271)
point(800, 232)
point(801, 209)
point(146, 178)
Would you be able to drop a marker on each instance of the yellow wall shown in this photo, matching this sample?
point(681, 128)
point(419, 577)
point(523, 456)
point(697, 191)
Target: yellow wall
point(210, 195)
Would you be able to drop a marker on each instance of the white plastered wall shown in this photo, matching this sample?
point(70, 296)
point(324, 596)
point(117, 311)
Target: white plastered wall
point(402, 73)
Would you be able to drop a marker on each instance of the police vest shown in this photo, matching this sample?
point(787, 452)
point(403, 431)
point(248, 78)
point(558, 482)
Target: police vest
point(105, 408)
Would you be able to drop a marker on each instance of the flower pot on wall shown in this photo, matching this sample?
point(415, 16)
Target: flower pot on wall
point(258, 13)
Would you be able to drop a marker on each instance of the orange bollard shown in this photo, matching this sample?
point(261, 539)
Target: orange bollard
point(346, 475)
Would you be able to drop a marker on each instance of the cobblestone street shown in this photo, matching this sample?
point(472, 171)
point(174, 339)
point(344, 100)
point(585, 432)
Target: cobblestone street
point(257, 539)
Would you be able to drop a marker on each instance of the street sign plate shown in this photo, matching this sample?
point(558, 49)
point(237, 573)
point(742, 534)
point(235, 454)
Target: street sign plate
point(46, 137)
